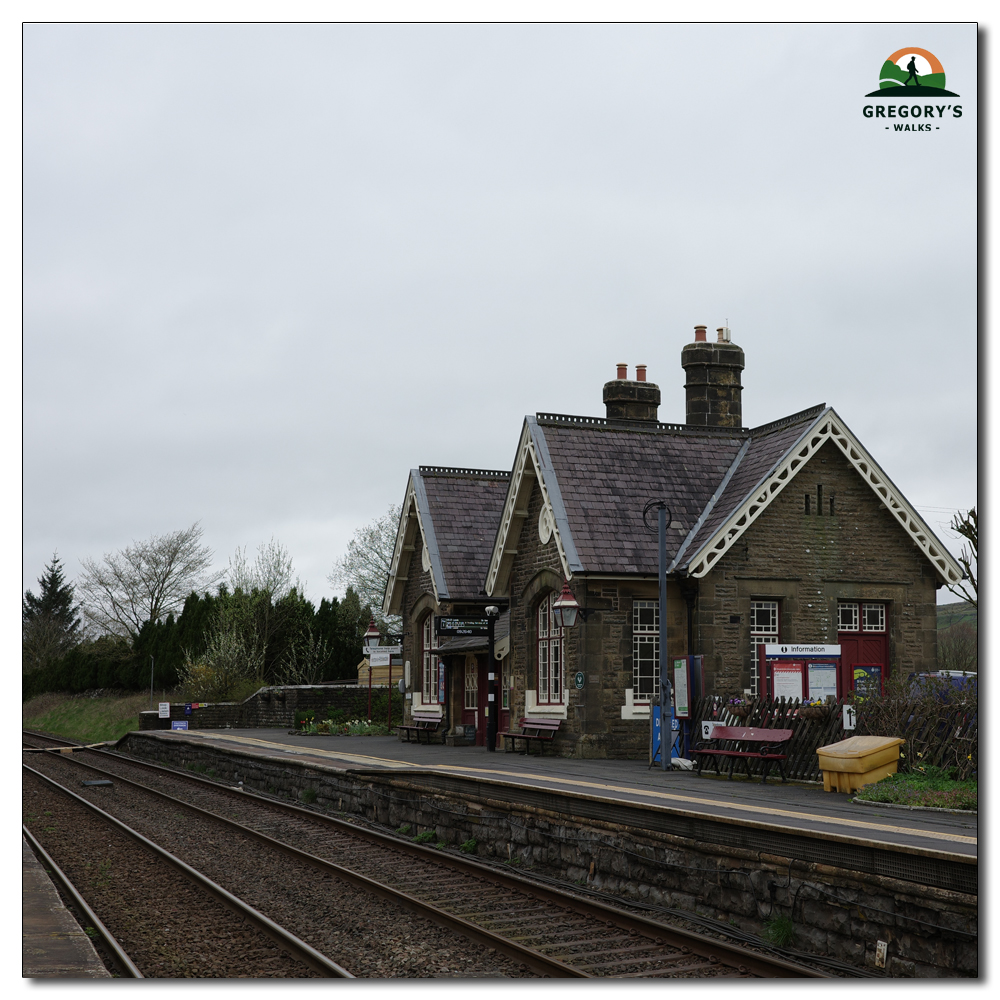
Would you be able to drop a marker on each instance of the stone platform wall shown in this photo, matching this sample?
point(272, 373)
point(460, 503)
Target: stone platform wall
point(834, 912)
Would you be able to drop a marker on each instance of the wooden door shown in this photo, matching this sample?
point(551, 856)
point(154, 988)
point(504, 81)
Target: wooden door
point(470, 696)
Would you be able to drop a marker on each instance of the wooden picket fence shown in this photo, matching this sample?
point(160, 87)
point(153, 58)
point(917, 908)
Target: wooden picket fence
point(942, 735)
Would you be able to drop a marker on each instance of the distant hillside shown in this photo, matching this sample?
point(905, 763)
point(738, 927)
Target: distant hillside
point(952, 614)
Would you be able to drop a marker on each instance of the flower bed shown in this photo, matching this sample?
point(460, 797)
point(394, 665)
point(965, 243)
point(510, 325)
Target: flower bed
point(930, 787)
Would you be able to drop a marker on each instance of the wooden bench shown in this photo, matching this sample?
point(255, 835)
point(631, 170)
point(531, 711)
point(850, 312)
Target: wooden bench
point(423, 722)
point(531, 729)
point(745, 743)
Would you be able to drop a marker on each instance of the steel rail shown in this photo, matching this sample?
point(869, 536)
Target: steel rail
point(119, 956)
point(306, 953)
point(535, 960)
point(699, 944)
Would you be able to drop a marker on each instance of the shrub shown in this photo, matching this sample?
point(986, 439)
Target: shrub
point(780, 931)
point(425, 837)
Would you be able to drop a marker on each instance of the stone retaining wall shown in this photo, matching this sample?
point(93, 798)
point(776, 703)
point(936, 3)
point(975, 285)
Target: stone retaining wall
point(834, 912)
point(271, 707)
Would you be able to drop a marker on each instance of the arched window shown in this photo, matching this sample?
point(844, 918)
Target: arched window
point(550, 655)
point(430, 662)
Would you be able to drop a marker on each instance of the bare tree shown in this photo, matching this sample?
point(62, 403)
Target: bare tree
point(967, 525)
point(270, 573)
point(367, 563)
point(258, 594)
point(958, 648)
point(145, 581)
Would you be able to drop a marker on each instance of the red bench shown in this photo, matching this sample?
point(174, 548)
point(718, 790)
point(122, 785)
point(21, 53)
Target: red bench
point(423, 722)
point(745, 743)
point(542, 730)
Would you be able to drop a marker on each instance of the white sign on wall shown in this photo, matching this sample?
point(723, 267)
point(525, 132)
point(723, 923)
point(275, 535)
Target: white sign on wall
point(164, 709)
point(790, 649)
point(850, 717)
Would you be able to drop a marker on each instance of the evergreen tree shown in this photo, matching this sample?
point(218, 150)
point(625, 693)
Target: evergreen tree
point(50, 623)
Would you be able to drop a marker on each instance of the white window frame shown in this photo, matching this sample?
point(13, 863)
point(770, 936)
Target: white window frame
point(430, 664)
point(550, 662)
point(855, 624)
point(880, 617)
point(644, 636)
point(471, 685)
point(766, 635)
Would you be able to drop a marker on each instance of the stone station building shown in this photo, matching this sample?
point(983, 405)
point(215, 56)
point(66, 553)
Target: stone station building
point(785, 533)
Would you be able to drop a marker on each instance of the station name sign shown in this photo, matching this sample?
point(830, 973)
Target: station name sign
point(461, 626)
point(790, 649)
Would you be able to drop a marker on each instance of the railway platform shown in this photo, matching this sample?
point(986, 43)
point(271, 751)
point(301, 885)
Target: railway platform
point(800, 809)
point(52, 942)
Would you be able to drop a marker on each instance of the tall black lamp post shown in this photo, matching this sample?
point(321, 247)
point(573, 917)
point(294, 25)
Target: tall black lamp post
point(371, 639)
point(663, 518)
point(492, 710)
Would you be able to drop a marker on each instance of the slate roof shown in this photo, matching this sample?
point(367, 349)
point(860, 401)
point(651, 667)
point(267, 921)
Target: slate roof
point(768, 445)
point(464, 506)
point(607, 470)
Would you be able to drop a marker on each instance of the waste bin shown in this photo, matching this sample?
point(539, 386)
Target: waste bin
point(858, 761)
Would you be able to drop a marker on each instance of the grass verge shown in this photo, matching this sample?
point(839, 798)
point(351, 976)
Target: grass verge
point(936, 790)
point(89, 720)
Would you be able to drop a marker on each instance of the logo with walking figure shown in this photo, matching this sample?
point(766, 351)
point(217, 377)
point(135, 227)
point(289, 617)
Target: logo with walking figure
point(913, 73)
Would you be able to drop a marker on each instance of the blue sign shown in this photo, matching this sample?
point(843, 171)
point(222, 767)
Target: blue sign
point(675, 727)
point(178, 724)
point(187, 708)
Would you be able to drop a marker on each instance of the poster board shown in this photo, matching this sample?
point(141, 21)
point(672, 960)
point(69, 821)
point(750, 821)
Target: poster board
point(822, 681)
point(682, 707)
point(786, 679)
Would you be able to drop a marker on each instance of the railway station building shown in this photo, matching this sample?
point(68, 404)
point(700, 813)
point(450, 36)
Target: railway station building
point(785, 533)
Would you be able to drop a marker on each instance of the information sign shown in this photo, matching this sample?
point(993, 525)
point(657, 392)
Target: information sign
point(787, 681)
point(440, 683)
point(790, 649)
point(178, 724)
point(379, 658)
point(681, 708)
point(461, 626)
point(395, 650)
point(579, 680)
point(822, 681)
point(164, 709)
point(187, 708)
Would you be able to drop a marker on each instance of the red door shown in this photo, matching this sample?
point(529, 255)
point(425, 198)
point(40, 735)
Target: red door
point(503, 693)
point(474, 693)
point(867, 651)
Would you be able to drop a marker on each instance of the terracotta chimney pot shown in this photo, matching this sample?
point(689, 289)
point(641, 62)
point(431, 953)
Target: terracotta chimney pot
point(700, 335)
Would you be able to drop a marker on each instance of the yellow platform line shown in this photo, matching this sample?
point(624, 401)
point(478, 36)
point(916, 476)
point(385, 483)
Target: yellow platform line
point(854, 824)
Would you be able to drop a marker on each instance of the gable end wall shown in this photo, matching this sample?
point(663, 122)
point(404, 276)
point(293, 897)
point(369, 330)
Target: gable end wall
point(807, 563)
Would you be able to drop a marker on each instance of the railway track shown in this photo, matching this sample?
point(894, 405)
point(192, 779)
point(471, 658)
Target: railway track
point(545, 931)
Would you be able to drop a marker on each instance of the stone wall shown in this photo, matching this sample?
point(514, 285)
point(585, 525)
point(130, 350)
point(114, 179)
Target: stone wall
point(833, 912)
point(807, 562)
point(600, 647)
point(271, 707)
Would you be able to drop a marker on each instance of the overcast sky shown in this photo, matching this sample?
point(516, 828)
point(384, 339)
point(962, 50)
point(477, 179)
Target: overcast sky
point(269, 269)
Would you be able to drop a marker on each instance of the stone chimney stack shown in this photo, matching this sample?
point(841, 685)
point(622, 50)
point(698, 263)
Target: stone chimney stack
point(627, 400)
point(712, 380)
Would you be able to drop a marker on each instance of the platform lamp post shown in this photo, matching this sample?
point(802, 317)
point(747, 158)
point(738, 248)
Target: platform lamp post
point(663, 517)
point(371, 639)
point(492, 707)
